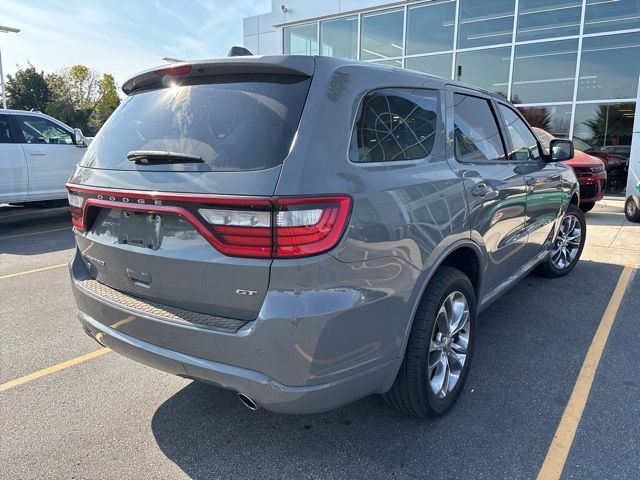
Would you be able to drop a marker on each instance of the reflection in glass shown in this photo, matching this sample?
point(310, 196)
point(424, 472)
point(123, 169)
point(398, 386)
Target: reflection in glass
point(381, 35)
point(553, 119)
point(390, 63)
point(477, 137)
point(544, 72)
point(339, 38)
point(396, 124)
point(487, 68)
point(485, 22)
point(609, 67)
point(538, 19)
point(439, 65)
point(605, 124)
point(609, 15)
point(301, 40)
point(430, 27)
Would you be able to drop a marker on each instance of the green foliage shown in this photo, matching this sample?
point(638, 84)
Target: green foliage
point(27, 90)
point(82, 98)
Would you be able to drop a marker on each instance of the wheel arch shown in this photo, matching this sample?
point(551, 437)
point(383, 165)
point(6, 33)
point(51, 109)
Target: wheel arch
point(464, 255)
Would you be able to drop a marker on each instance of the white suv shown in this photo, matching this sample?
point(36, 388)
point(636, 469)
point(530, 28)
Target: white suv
point(37, 155)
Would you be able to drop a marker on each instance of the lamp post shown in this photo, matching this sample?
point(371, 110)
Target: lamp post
point(4, 95)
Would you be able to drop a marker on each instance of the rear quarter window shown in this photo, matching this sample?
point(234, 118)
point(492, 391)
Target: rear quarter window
point(234, 123)
point(395, 124)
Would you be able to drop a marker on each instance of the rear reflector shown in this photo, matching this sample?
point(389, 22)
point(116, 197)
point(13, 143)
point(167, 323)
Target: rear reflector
point(279, 227)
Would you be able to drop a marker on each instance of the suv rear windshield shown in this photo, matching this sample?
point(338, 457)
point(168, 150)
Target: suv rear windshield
point(234, 123)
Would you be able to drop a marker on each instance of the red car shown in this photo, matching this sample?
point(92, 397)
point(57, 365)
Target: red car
point(590, 171)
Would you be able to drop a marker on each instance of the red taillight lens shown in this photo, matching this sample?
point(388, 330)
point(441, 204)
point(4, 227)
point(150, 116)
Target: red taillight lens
point(308, 226)
point(243, 233)
point(76, 203)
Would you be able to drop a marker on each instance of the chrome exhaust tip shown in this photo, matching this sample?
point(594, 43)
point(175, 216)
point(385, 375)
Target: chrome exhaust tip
point(248, 402)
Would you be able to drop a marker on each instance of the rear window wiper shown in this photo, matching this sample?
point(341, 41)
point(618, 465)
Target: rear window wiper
point(147, 157)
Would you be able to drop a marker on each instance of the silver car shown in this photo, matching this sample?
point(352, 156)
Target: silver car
point(307, 231)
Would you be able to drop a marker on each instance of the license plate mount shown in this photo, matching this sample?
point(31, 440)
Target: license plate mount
point(140, 229)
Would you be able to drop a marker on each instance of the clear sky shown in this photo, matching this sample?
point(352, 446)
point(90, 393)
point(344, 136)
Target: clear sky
point(120, 37)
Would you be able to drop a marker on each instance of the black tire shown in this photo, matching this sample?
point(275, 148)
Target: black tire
point(587, 207)
point(632, 208)
point(547, 268)
point(411, 392)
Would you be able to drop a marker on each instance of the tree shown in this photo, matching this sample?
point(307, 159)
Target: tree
point(82, 98)
point(610, 125)
point(27, 90)
point(108, 99)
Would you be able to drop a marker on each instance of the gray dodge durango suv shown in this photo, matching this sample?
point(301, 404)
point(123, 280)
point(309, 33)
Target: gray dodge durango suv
point(307, 231)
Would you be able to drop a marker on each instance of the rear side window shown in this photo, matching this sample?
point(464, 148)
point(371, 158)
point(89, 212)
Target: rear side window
point(477, 137)
point(5, 132)
point(41, 130)
point(395, 124)
point(239, 122)
point(523, 141)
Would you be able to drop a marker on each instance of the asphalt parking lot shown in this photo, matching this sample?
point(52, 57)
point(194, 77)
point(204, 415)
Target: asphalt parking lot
point(108, 417)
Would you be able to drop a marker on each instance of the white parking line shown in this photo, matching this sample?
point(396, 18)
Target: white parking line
point(35, 233)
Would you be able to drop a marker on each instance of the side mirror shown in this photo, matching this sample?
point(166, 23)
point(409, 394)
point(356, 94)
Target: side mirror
point(561, 150)
point(78, 138)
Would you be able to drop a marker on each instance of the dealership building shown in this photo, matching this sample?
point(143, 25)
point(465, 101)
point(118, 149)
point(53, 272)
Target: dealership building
point(571, 66)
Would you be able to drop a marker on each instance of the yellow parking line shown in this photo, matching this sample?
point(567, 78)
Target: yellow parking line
point(32, 271)
point(563, 439)
point(35, 233)
point(52, 369)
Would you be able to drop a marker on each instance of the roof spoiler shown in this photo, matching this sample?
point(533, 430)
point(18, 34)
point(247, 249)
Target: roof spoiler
point(158, 77)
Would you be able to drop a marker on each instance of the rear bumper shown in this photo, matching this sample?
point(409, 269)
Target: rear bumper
point(332, 347)
point(265, 391)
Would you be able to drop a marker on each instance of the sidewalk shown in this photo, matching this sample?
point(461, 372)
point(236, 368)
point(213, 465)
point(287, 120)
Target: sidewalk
point(610, 237)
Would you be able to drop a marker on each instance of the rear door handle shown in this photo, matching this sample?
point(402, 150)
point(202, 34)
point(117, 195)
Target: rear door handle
point(480, 190)
point(37, 152)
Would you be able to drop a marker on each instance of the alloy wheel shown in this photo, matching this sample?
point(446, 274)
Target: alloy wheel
point(449, 344)
point(567, 243)
point(631, 208)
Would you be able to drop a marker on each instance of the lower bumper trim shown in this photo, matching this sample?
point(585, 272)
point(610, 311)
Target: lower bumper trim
point(266, 391)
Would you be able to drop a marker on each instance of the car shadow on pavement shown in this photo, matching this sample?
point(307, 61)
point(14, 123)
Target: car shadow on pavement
point(530, 346)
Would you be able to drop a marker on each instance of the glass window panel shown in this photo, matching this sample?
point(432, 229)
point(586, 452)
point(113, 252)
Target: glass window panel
point(477, 137)
point(339, 38)
point(523, 142)
point(301, 40)
point(488, 69)
point(381, 35)
point(390, 63)
point(605, 126)
point(485, 22)
point(41, 130)
point(544, 72)
point(548, 122)
point(430, 27)
point(609, 15)
point(609, 67)
point(539, 19)
point(439, 65)
point(395, 124)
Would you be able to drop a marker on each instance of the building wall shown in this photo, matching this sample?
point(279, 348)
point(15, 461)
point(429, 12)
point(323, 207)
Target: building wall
point(571, 66)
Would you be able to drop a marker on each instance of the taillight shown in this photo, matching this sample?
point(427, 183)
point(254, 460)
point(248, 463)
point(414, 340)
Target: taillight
point(294, 227)
point(308, 226)
point(241, 233)
point(259, 227)
point(75, 205)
